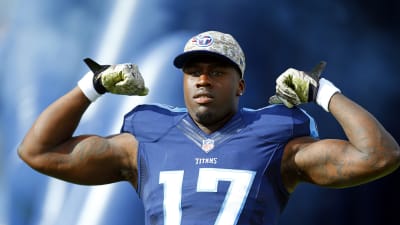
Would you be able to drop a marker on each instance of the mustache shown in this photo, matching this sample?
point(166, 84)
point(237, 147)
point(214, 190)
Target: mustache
point(202, 93)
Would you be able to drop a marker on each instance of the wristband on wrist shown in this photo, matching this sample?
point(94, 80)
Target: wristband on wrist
point(325, 92)
point(87, 87)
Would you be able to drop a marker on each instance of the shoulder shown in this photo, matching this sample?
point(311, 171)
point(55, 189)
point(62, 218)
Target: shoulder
point(278, 118)
point(155, 109)
point(151, 118)
point(279, 113)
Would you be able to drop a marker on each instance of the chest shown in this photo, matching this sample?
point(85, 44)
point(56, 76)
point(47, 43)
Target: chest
point(179, 174)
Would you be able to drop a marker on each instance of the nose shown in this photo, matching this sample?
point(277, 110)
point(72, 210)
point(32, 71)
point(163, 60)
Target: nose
point(203, 80)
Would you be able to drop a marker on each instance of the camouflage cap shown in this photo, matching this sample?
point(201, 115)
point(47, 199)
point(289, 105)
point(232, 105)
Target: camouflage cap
point(214, 43)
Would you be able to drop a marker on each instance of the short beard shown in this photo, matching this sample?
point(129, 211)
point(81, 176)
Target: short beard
point(205, 118)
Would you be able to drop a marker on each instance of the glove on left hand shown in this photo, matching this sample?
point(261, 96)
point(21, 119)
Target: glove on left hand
point(294, 87)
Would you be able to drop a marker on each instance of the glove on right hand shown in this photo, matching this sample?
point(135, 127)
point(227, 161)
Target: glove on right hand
point(122, 79)
point(294, 87)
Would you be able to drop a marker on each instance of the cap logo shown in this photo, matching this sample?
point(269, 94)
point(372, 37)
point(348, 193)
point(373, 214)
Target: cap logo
point(203, 40)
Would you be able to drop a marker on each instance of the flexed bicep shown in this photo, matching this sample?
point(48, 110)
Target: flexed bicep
point(105, 160)
point(330, 163)
point(90, 160)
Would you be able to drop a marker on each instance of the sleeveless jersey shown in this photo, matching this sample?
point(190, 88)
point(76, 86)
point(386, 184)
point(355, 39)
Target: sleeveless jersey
point(231, 176)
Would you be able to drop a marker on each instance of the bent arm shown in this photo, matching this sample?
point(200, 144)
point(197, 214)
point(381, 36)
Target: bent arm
point(50, 148)
point(369, 153)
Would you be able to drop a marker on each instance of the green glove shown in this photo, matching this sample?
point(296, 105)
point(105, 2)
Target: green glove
point(294, 87)
point(122, 79)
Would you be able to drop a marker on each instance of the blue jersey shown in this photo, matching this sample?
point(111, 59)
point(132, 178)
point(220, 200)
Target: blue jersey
point(231, 176)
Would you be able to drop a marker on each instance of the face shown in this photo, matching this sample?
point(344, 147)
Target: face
point(211, 90)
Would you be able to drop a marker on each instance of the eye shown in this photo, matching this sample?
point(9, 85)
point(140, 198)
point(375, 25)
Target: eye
point(192, 71)
point(216, 73)
point(195, 73)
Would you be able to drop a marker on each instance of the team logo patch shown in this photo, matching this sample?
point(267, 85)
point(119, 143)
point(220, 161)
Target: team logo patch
point(208, 145)
point(203, 40)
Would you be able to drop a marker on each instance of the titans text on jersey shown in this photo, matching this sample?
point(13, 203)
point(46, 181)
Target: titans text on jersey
point(200, 161)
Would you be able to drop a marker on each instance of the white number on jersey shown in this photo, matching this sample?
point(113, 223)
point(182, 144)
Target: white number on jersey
point(240, 183)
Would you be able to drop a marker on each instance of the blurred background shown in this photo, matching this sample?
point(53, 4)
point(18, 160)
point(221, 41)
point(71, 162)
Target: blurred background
point(43, 42)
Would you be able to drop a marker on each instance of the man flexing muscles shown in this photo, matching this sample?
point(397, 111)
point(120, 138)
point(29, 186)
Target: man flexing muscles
point(211, 162)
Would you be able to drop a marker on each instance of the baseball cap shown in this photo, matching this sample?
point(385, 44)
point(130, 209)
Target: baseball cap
point(213, 43)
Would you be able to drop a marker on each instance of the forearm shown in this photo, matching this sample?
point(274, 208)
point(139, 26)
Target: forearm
point(56, 124)
point(364, 132)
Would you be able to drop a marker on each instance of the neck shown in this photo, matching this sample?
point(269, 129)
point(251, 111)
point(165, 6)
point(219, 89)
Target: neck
point(211, 127)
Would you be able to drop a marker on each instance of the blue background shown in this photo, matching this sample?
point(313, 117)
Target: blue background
point(43, 42)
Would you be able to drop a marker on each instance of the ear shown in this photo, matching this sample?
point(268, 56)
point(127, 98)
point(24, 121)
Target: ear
point(241, 88)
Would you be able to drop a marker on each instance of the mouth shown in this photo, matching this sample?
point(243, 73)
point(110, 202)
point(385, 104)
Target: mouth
point(203, 98)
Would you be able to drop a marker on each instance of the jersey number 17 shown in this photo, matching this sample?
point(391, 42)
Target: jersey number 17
point(240, 183)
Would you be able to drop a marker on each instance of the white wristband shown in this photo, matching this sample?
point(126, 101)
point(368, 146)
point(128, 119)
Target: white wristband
point(325, 92)
point(86, 85)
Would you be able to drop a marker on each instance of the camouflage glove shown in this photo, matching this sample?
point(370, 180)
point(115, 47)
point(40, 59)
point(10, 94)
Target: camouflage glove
point(294, 87)
point(122, 79)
